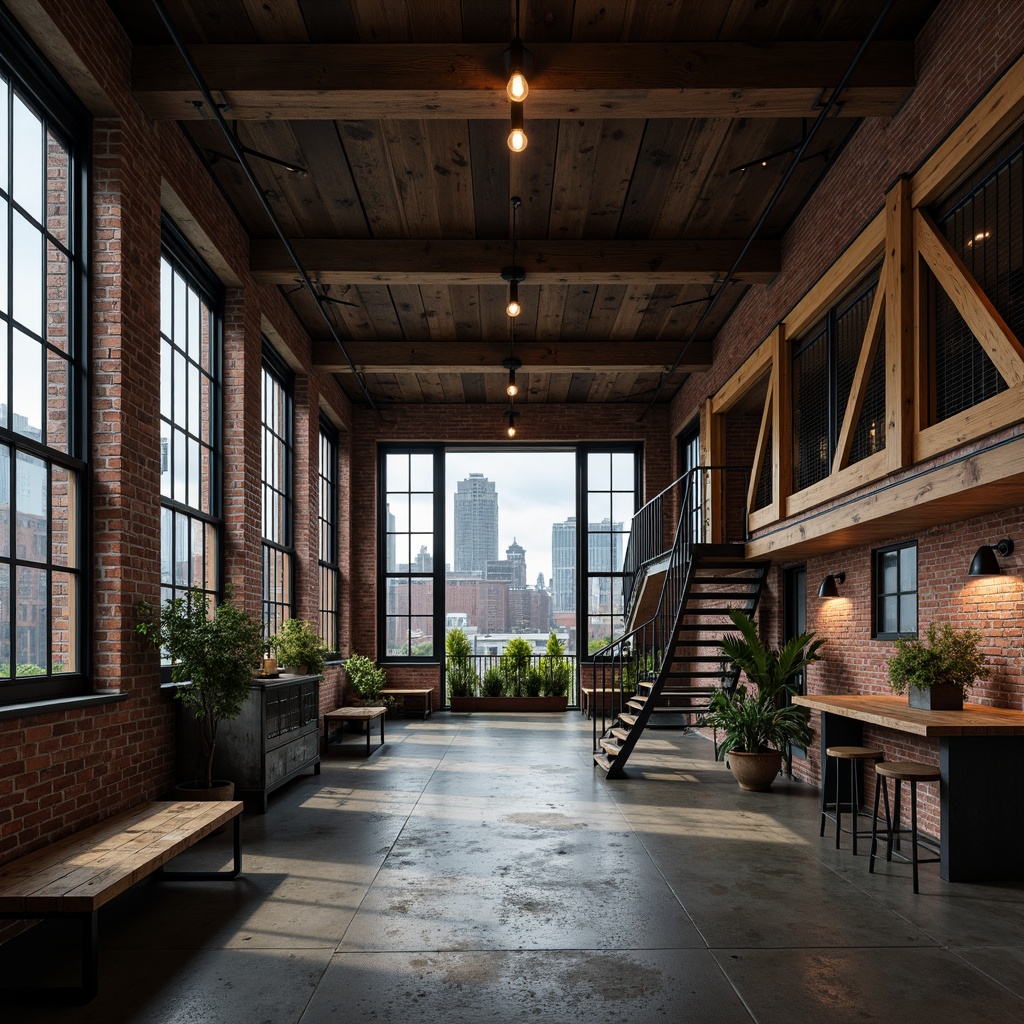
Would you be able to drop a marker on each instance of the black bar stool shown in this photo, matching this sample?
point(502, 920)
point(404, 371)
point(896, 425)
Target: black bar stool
point(906, 771)
point(855, 755)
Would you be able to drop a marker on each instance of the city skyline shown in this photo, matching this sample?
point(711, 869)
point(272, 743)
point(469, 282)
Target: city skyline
point(534, 490)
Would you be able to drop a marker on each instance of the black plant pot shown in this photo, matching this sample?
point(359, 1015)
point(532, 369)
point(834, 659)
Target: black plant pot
point(938, 697)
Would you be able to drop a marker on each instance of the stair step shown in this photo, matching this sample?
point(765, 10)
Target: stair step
point(629, 719)
point(719, 594)
point(610, 748)
point(619, 733)
point(694, 674)
point(707, 611)
point(752, 580)
point(603, 761)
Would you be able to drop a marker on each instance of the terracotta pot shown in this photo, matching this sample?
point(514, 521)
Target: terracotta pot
point(755, 772)
point(197, 790)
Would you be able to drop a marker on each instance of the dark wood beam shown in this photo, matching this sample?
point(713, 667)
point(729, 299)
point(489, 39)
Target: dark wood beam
point(486, 356)
point(452, 262)
point(317, 81)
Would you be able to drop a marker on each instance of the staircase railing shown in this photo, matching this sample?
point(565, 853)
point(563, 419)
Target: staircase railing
point(640, 653)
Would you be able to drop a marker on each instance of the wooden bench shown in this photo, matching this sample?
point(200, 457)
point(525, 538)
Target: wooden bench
point(355, 714)
point(75, 876)
point(426, 694)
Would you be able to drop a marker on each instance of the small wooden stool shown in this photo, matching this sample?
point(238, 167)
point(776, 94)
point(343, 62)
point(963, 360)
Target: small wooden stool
point(855, 755)
point(906, 771)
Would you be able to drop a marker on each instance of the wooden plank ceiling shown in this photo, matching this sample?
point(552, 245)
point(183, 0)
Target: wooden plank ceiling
point(639, 116)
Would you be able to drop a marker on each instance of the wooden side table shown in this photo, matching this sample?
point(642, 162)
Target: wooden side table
point(355, 714)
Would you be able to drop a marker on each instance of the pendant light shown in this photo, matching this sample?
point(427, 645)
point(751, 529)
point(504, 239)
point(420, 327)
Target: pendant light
point(518, 62)
point(514, 273)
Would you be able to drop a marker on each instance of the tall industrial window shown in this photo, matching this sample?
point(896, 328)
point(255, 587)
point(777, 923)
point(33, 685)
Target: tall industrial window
point(983, 220)
point(43, 581)
point(190, 441)
point(327, 520)
point(409, 516)
point(896, 591)
point(611, 487)
point(278, 492)
point(693, 485)
point(824, 363)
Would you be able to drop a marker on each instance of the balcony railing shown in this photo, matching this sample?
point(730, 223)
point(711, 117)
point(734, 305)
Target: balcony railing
point(543, 668)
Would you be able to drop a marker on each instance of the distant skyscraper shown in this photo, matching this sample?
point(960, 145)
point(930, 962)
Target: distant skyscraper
point(511, 568)
point(476, 524)
point(563, 566)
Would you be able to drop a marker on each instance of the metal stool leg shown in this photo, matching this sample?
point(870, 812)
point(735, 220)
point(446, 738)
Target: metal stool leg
point(839, 806)
point(854, 805)
point(913, 828)
point(874, 825)
point(888, 821)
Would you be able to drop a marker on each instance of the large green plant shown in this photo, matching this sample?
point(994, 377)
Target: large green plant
point(756, 722)
point(556, 671)
point(946, 655)
point(459, 673)
point(216, 654)
point(515, 666)
point(365, 678)
point(297, 645)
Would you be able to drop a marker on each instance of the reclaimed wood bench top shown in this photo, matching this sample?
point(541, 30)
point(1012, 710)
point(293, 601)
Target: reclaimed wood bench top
point(398, 693)
point(358, 713)
point(88, 869)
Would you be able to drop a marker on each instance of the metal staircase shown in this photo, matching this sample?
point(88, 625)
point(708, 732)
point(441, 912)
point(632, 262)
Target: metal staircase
point(671, 664)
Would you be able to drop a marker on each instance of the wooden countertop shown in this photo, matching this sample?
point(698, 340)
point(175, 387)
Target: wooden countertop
point(893, 712)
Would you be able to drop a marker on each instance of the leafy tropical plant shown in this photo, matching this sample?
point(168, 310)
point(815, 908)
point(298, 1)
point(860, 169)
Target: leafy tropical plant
point(298, 646)
point(557, 672)
point(515, 665)
point(459, 673)
point(757, 722)
point(216, 654)
point(366, 679)
point(945, 655)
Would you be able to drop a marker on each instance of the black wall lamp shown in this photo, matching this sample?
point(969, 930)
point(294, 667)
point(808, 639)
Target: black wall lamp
point(985, 563)
point(829, 586)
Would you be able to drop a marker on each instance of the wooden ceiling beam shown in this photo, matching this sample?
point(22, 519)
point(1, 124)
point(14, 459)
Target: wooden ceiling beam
point(487, 356)
point(476, 262)
point(318, 81)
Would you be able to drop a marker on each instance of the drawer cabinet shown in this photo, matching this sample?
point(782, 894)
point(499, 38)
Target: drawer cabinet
point(274, 738)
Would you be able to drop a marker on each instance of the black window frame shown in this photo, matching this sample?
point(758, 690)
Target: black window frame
point(277, 553)
point(69, 122)
point(878, 595)
point(184, 262)
point(329, 568)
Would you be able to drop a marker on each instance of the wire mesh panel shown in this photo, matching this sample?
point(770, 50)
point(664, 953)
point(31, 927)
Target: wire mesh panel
point(763, 491)
point(811, 455)
point(851, 323)
point(983, 220)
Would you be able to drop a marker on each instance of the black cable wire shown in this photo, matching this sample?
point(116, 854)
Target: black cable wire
point(239, 152)
point(797, 156)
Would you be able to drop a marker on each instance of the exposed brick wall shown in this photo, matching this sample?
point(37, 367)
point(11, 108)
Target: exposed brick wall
point(61, 771)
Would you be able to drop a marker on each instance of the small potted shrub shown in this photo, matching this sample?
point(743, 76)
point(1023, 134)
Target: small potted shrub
point(366, 680)
point(760, 727)
point(938, 671)
point(299, 648)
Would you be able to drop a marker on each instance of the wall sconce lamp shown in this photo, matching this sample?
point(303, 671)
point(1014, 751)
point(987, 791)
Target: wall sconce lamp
point(984, 562)
point(511, 364)
point(828, 586)
point(511, 415)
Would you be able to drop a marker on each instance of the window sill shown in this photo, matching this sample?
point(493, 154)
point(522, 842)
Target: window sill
point(47, 707)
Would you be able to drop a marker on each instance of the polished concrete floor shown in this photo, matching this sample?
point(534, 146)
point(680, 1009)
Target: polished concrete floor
point(478, 869)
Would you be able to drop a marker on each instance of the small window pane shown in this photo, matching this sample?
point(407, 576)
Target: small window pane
point(63, 632)
point(4, 305)
point(32, 622)
point(5, 635)
point(421, 472)
point(908, 613)
point(890, 563)
point(166, 290)
point(422, 513)
point(599, 475)
point(28, 275)
point(63, 504)
point(28, 163)
point(58, 387)
point(5, 97)
point(398, 507)
point(599, 510)
point(5, 504)
point(890, 614)
point(397, 470)
point(623, 470)
point(908, 569)
point(166, 546)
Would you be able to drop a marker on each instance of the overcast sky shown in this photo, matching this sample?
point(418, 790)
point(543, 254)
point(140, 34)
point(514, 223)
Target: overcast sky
point(535, 489)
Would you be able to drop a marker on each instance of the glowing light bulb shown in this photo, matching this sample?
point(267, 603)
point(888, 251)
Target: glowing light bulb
point(513, 389)
point(511, 430)
point(518, 88)
point(517, 134)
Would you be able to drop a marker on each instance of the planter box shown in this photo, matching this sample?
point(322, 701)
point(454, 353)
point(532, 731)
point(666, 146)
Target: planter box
point(942, 697)
point(509, 703)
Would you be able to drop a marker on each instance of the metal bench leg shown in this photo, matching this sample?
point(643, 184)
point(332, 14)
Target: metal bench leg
point(211, 876)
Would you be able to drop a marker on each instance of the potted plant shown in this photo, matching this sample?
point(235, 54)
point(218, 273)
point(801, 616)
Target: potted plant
point(213, 655)
point(460, 676)
point(938, 671)
point(299, 648)
point(760, 727)
point(366, 680)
